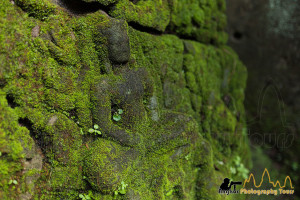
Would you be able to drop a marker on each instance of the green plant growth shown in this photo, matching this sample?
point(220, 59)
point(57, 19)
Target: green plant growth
point(12, 182)
point(66, 113)
point(50, 67)
point(169, 193)
point(117, 115)
point(81, 131)
point(187, 157)
point(121, 189)
point(294, 165)
point(84, 196)
point(238, 168)
point(95, 130)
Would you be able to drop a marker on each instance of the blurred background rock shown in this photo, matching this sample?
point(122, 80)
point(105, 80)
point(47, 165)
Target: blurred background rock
point(265, 34)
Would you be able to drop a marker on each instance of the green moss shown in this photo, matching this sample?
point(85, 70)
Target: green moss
point(13, 138)
point(40, 9)
point(205, 90)
point(103, 2)
point(103, 169)
point(203, 21)
point(50, 66)
point(152, 14)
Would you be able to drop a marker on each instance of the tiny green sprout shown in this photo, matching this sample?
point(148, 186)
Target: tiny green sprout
point(117, 116)
point(94, 130)
point(187, 157)
point(233, 170)
point(91, 130)
point(96, 126)
point(84, 196)
point(12, 182)
point(122, 189)
point(0, 153)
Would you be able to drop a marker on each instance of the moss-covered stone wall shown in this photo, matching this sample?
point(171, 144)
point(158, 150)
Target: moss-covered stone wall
point(119, 99)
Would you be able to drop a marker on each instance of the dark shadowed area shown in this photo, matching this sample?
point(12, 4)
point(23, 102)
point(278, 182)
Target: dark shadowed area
point(265, 34)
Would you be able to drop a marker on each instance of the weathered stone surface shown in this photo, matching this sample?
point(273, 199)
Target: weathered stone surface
point(118, 41)
point(120, 106)
point(32, 167)
point(107, 164)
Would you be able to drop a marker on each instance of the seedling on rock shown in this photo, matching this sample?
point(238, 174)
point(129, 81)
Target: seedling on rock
point(117, 115)
point(95, 130)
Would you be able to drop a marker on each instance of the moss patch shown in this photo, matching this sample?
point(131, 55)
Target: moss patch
point(180, 98)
